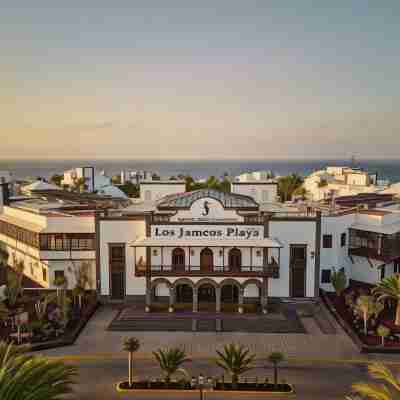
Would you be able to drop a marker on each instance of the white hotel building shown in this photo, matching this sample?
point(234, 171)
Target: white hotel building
point(203, 246)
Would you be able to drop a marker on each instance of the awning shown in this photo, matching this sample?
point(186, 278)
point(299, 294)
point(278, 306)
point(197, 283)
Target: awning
point(150, 242)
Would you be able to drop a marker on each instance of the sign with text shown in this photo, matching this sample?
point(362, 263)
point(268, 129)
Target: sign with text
point(240, 232)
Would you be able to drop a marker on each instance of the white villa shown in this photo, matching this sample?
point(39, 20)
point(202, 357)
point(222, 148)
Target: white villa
point(339, 181)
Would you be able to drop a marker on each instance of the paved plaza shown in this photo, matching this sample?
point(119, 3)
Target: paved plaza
point(322, 339)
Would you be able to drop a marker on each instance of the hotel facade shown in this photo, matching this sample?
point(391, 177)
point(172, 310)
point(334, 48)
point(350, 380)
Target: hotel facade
point(203, 249)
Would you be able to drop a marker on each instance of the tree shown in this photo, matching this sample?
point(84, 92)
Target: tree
point(378, 392)
point(383, 331)
point(287, 185)
point(79, 184)
point(367, 306)
point(322, 183)
point(338, 280)
point(130, 189)
point(131, 345)
point(56, 179)
point(24, 376)
point(61, 283)
point(389, 288)
point(235, 360)
point(170, 361)
point(116, 179)
point(275, 358)
point(82, 280)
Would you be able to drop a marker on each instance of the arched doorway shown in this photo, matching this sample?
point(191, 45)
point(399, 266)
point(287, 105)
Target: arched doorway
point(235, 259)
point(206, 297)
point(184, 294)
point(230, 294)
point(206, 260)
point(178, 259)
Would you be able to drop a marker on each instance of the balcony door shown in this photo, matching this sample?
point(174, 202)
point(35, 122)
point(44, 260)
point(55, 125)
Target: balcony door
point(298, 263)
point(178, 259)
point(206, 260)
point(235, 259)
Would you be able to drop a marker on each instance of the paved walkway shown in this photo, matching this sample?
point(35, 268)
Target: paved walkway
point(96, 339)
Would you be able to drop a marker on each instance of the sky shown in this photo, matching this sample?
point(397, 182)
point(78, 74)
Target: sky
point(217, 79)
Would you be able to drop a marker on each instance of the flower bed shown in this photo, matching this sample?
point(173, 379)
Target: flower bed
point(220, 387)
point(354, 326)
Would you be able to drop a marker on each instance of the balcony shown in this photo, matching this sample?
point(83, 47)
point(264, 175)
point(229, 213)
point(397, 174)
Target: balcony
point(373, 245)
point(245, 271)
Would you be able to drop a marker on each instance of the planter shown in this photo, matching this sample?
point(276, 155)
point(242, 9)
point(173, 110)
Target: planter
point(182, 387)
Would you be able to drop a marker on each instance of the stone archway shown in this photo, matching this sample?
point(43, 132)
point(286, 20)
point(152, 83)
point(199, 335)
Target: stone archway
point(161, 292)
point(208, 295)
point(252, 292)
point(231, 291)
point(184, 292)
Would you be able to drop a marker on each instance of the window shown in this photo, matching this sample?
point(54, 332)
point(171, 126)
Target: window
point(147, 195)
point(58, 275)
point(327, 241)
point(258, 253)
point(396, 267)
point(343, 239)
point(155, 252)
point(326, 276)
point(44, 273)
point(117, 253)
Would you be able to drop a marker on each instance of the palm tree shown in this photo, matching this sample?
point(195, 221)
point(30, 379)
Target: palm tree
point(389, 288)
point(367, 306)
point(378, 392)
point(287, 185)
point(235, 360)
point(170, 361)
point(275, 358)
point(131, 345)
point(24, 376)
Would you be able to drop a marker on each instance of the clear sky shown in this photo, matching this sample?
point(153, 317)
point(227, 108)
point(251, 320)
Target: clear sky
point(199, 79)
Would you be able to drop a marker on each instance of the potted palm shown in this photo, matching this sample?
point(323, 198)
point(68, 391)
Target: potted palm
point(383, 332)
point(236, 360)
point(131, 345)
point(170, 361)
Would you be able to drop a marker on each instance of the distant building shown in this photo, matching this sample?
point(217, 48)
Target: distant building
point(260, 191)
point(151, 191)
point(93, 181)
point(38, 186)
point(254, 176)
point(136, 177)
point(6, 181)
point(335, 181)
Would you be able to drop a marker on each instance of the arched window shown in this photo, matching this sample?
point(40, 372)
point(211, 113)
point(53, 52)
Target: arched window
point(178, 257)
point(206, 260)
point(235, 259)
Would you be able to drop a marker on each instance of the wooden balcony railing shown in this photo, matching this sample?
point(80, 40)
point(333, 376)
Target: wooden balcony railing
point(270, 270)
point(371, 252)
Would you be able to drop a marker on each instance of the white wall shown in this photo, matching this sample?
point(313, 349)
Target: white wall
point(261, 193)
point(292, 232)
point(121, 231)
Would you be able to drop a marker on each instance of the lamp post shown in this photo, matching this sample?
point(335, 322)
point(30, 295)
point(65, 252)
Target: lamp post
point(201, 383)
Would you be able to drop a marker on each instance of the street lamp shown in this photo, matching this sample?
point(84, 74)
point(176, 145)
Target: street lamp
point(201, 383)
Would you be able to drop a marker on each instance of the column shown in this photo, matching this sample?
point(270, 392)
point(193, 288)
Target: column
point(264, 295)
point(379, 244)
point(171, 299)
point(218, 299)
point(241, 300)
point(148, 292)
point(195, 300)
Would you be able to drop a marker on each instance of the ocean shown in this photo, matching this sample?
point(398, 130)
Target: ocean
point(21, 169)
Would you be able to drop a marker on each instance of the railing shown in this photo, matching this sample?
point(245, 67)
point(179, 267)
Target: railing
point(372, 252)
point(270, 270)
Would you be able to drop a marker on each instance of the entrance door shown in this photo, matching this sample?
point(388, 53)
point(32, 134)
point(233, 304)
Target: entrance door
point(298, 262)
point(117, 271)
point(206, 260)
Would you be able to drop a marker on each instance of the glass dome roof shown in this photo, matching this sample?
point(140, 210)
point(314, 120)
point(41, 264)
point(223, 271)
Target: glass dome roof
point(228, 200)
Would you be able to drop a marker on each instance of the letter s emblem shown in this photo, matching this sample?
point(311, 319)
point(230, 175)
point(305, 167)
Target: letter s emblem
point(206, 208)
